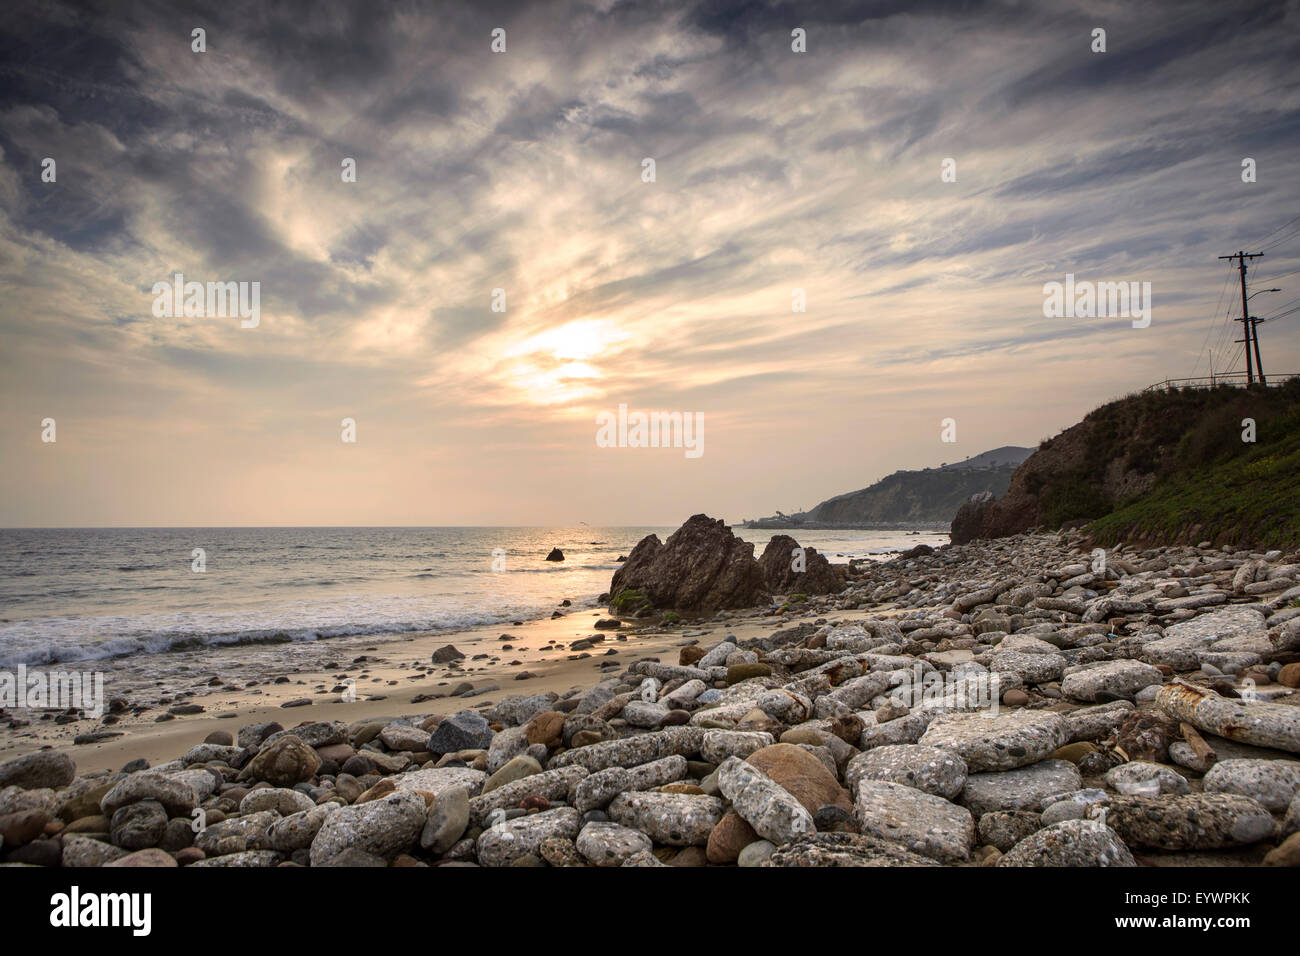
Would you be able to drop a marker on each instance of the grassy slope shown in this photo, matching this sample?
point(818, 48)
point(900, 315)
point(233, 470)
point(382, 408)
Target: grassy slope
point(1236, 492)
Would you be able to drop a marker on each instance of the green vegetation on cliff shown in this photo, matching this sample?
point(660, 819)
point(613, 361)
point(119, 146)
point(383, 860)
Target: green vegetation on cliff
point(1221, 488)
point(1162, 467)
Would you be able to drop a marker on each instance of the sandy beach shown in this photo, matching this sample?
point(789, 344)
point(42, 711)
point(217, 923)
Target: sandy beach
point(396, 679)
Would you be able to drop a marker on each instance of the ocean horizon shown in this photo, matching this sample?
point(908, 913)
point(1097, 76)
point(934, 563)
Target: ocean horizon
point(85, 594)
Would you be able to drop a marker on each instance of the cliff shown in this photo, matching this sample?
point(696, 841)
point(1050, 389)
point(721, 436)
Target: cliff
point(1162, 467)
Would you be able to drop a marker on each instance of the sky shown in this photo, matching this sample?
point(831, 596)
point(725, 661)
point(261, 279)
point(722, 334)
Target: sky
point(524, 171)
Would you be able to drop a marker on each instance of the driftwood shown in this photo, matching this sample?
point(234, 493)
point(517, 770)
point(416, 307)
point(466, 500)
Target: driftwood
point(1205, 754)
point(1259, 723)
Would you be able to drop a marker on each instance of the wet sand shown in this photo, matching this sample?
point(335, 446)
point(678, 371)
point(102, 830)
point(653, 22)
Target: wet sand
point(397, 670)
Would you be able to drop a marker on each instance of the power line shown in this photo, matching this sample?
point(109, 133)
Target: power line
point(1280, 239)
point(1272, 279)
point(1249, 334)
point(1285, 305)
point(1277, 230)
point(1214, 320)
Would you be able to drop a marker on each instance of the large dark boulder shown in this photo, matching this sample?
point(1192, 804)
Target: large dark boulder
point(968, 522)
point(702, 567)
point(778, 563)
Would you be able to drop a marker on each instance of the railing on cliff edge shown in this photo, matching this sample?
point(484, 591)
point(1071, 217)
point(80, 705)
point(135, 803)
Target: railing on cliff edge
point(1236, 379)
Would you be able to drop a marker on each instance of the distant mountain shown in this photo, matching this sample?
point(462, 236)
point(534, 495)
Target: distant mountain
point(910, 498)
point(1006, 455)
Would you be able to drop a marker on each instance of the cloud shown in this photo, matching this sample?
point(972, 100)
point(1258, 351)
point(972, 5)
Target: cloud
point(522, 171)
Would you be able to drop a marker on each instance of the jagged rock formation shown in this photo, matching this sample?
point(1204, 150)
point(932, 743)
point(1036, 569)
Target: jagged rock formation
point(702, 567)
point(778, 563)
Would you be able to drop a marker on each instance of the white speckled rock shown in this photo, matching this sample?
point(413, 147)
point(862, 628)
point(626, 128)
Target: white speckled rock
point(902, 730)
point(624, 752)
point(296, 832)
point(1001, 742)
point(282, 800)
point(1029, 667)
point(384, 827)
point(611, 844)
point(1181, 644)
point(720, 744)
point(764, 804)
point(1070, 843)
point(204, 783)
point(1274, 783)
point(523, 836)
point(921, 822)
point(175, 795)
point(1192, 821)
point(596, 790)
point(640, 713)
point(672, 819)
point(439, 779)
point(251, 827)
point(913, 765)
point(551, 784)
point(1122, 678)
point(403, 737)
point(1021, 789)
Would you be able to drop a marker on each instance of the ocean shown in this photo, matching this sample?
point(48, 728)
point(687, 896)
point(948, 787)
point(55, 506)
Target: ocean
point(90, 594)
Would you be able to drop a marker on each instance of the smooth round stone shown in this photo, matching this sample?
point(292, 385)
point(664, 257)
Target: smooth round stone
point(1139, 776)
point(755, 853)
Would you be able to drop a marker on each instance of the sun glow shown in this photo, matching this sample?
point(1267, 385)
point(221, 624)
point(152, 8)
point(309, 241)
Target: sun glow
point(579, 340)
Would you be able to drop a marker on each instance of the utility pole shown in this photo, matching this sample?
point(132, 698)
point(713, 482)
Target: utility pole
point(1249, 335)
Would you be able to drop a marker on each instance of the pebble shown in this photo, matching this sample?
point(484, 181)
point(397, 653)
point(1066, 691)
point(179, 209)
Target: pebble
point(677, 763)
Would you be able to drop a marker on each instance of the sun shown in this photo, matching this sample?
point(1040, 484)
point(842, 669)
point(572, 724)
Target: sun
point(576, 341)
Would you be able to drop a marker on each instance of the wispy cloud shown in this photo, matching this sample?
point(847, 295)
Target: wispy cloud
point(522, 171)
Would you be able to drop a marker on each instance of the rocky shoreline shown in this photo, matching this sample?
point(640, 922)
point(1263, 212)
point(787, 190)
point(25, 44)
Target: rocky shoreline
point(1145, 713)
